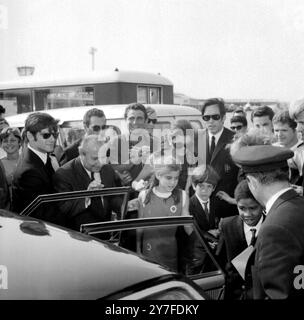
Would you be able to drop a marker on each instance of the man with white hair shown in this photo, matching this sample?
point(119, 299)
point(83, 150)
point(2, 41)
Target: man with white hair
point(87, 172)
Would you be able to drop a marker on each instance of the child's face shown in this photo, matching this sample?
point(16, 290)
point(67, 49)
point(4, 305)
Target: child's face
point(167, 181)
point(204, 190)
point(250, 211)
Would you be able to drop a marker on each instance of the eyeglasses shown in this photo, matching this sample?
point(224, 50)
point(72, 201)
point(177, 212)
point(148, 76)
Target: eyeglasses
point(213, 116)
point(152, 121)
point(236, 128)
point(98, 128)
point(47, 135)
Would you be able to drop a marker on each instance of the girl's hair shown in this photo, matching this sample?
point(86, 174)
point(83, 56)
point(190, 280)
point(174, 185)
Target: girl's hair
point(161, 166)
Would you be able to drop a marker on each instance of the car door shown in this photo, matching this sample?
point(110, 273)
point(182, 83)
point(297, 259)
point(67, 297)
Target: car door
point(177, 242)
point(195, 257)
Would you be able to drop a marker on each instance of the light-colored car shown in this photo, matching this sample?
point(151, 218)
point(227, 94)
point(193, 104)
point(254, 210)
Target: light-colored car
point(73, 117)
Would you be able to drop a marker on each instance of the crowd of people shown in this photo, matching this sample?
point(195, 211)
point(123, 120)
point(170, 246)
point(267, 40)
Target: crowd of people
point(246, 193)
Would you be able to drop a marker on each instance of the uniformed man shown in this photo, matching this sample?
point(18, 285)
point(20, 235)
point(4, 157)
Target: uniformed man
point(280, 245)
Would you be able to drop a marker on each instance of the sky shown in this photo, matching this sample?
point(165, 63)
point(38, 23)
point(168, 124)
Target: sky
point(234, 49)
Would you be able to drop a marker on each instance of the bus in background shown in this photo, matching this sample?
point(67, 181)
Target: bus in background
point(117, 87)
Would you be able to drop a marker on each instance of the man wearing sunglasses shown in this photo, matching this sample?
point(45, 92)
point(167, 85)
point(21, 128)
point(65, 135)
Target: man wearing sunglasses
point(238, 124)
point(94, 120)
point(33, 175)
point(217, 154)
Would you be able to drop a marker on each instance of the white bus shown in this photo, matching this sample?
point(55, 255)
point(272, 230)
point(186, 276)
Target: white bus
point(118, 87)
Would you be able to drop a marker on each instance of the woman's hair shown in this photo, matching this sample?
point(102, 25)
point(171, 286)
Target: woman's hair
point(163, 165)
point(9, 130)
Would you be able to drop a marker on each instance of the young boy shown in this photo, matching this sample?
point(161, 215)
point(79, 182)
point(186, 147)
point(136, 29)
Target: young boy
point(201, 206)
point(237, 233)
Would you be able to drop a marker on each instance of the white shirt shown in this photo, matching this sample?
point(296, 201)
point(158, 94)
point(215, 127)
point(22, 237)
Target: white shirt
point(41, 155)
point(216, 136)
point(96, 175)
point(272, 200)
point(248, 233)
point(203, 202)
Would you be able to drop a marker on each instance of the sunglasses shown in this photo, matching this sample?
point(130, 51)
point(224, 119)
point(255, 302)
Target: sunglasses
point(152, 121)
point(98, 128)
point(236, 127)
point(213, 116)
point(46, 136)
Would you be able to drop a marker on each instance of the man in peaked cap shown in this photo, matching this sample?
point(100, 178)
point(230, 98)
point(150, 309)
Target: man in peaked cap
point(280, 244)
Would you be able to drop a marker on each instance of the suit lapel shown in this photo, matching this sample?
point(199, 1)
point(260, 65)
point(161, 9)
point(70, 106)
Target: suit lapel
point(199, 208)
point(221, 144)
point(82, 174)
point(240, 231)
point(35, 161)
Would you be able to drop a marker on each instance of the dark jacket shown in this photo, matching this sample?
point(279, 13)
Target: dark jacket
point(69, 153)
point(31, 180)
point(196, 209)
point(279, 249)
point(222, 162)
point(232, 242)
point(73, 177)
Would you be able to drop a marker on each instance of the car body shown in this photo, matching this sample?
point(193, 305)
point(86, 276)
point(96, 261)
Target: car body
point(43, 261)
point(73, 117)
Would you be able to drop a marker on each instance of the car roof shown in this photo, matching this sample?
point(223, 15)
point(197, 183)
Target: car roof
point(112, 112)
point(48, 262)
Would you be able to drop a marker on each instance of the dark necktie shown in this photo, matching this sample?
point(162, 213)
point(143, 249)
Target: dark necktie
point(48, 166)
point(205, 204)
point(97, 204)
point(212, 146)
point(253, 238)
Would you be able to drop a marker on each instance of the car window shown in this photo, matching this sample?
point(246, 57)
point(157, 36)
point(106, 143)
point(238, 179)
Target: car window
point(175, 243)
point(167, 244)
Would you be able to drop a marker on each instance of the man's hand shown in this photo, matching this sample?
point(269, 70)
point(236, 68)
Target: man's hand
point(214, 232)
point(125, 177)
point(140, 185)
point(297, 189)
point(133, 205)
point(95, 185)
point(225, 196)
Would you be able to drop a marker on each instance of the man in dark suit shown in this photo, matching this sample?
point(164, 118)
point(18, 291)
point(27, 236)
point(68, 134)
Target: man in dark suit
point(280, 244)
point(217, 153)
point(87, 172)
point(94, 120)
point(236, 234)
point(33, 175)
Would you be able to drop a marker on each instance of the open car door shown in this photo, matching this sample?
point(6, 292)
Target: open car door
point(176, 243)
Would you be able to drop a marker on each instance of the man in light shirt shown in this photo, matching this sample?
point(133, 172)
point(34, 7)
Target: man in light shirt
point(33, 175)
point(280, 245)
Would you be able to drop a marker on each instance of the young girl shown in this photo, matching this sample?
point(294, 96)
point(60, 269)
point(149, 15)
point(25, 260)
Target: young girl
point(162, 199)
